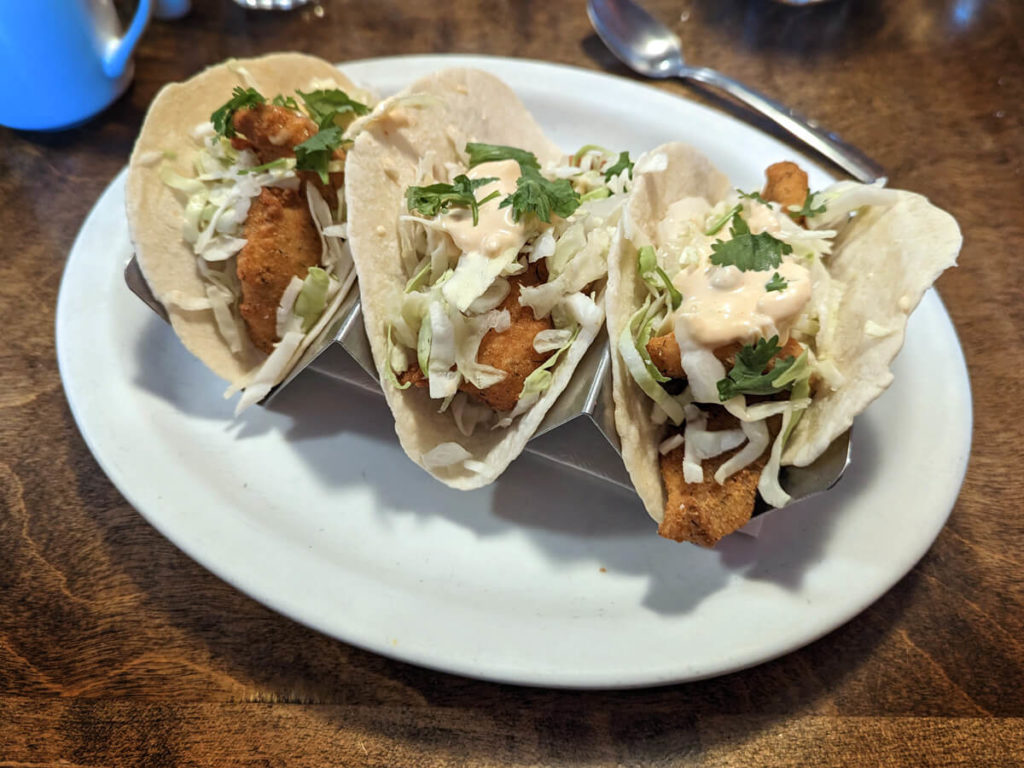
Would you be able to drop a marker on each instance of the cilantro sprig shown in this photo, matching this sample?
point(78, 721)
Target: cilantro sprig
point(749, 376)
point(777, 283)
point(534, 193)
point(808, 208)
point(541, 197)
point(326, 105)
point(748, 252)
point(755, 195)
point(241, 98)
point(721, 221)
point(622, 164)
point(492, 153)
point(434, 198)
point(285, 101)
point(314, 154)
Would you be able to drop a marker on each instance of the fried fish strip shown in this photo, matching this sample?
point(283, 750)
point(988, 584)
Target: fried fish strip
point(705, 512)
point(786, 184)
point(281, 242)
point(511, 350)
point(273, 132)
point(664, 352)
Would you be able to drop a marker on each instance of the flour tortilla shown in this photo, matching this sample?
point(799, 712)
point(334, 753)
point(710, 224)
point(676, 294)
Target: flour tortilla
point(155, 211)
point(687, 173)
point(451, 108)
point(886, 257)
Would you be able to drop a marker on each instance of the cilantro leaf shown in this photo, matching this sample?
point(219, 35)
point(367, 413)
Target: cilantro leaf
point(241, 98)
point(541, 197)
point(285, 101)
point(808, 208)
point(755, 195)
point(324, 106)
point(748, 376)
point(722, 220)
point(314, 154)
point(433, 199)
point(777, 283)
point(622, 164)
point(748, 252)
point(489, 153)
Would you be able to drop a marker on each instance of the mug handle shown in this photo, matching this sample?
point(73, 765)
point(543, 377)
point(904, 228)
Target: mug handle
point(115, 60)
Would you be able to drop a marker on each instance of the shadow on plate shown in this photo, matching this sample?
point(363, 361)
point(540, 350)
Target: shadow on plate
point(567, 518)
point(165, 369)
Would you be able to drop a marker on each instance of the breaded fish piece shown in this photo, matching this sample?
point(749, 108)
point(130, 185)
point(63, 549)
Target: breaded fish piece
point(705, 512)
point(281, 242)
point(273, 132)
point(786, 184)
point(664, 352)
point(511, 350)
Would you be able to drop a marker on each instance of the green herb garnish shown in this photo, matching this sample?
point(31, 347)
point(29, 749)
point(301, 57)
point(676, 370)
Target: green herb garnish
point(777, 283)
point(541, 197)
point(748, 252)
point(285, 101)
point(433, 199)
point(622, 164)
point(325, 105)
point(241, 98)
point(748, 375)
point(808, 208)
point(314, 154)
point(722, 220)
point(490, 153)
point(752, 196)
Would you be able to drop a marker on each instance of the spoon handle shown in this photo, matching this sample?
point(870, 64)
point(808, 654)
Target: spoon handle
point(851, 160)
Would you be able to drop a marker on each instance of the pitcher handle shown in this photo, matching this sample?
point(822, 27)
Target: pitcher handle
point(120, 51)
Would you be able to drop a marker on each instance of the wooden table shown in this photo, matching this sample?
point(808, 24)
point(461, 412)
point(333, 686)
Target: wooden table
point(117, 650)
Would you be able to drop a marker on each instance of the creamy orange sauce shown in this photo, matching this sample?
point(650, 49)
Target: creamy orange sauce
point(722, 304)
point(495, 232)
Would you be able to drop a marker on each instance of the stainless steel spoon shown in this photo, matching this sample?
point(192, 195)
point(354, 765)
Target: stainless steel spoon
point(651, 49)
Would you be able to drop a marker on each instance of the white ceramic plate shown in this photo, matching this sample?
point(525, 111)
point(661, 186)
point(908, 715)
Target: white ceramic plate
point(546, 577)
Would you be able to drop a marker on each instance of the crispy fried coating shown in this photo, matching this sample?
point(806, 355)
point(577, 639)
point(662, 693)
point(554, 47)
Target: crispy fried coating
point(413, 375)
point(281, 242)
point(664, 352)
point(273, 132)
point(705, 512)
point(511, 350)
point(785, 183)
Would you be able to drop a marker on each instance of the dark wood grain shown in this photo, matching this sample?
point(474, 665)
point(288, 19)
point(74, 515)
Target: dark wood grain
point(117, 650)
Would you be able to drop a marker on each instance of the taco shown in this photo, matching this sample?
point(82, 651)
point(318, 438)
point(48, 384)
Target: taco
point(749, 329)
point(236, 214)
point(482, 253)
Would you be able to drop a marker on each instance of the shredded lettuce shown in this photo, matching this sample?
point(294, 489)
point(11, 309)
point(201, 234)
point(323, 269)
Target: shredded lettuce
point(389, 367)
point(540, 379)
point(312, 298)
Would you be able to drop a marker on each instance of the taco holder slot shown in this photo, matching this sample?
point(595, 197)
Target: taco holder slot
point(577, 433)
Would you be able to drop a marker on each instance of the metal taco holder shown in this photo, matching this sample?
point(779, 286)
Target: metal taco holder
point(579, 430)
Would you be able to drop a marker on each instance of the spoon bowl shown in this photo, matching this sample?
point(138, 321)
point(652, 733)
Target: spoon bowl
point(651, 49)
point(636, 38)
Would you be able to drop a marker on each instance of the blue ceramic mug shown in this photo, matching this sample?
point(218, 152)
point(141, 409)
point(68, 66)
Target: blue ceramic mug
point(63, 61)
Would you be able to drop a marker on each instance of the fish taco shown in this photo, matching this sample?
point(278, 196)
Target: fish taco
point(482, 251)
point(749, 329)
point(236, 212)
